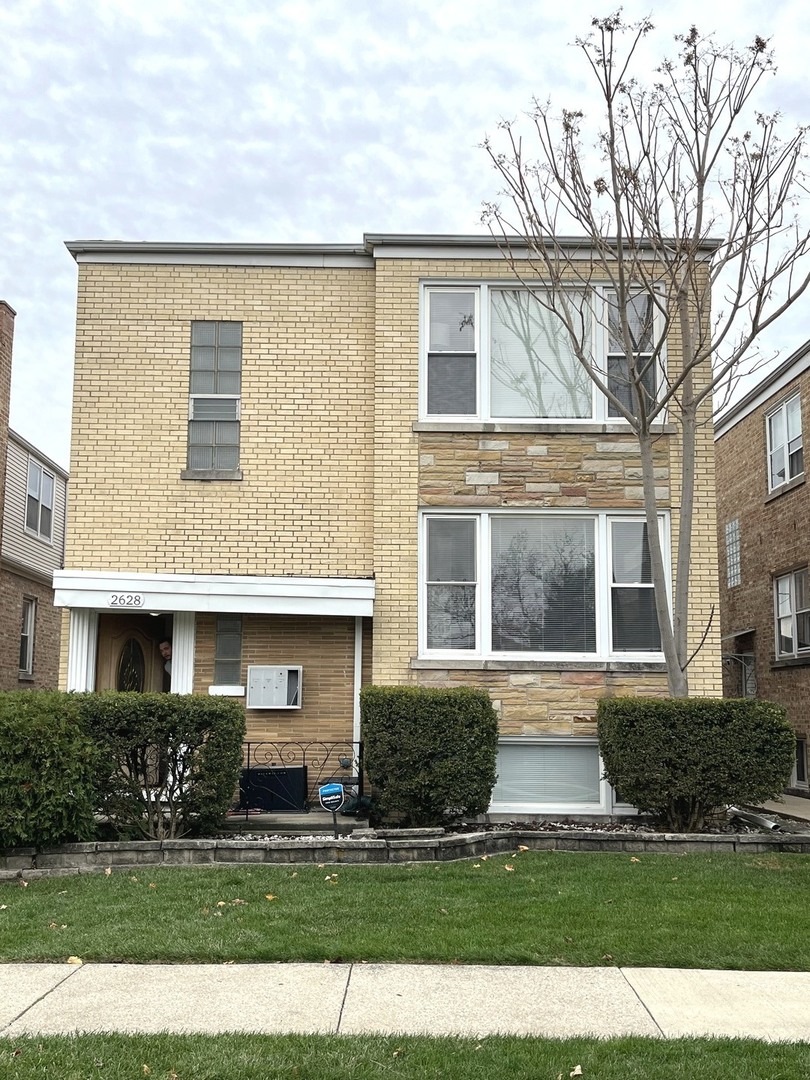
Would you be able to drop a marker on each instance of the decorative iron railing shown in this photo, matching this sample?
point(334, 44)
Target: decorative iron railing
point(284, 777)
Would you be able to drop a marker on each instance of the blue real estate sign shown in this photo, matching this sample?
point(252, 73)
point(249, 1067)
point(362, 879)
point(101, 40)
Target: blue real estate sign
point(331, 796)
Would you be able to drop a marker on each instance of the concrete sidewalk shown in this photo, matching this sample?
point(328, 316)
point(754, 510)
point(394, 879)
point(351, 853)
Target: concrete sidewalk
point(351, 999)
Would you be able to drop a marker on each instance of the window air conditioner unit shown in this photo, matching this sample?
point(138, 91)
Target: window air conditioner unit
point(273, 687)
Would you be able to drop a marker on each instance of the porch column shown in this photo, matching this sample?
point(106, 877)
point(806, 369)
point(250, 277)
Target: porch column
point(82, 644)
point(183, 632)
point(358, 676)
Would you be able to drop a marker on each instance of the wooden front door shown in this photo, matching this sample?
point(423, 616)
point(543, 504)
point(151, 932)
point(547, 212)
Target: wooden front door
point(128, 656)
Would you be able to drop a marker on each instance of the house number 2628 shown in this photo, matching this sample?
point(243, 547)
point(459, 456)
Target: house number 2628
point(125, 599)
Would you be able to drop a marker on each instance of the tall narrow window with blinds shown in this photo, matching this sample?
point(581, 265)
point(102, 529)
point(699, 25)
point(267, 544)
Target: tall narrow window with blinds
point(214, 397)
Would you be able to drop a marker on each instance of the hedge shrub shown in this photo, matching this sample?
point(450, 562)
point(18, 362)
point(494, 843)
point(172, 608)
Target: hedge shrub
point(48, 770)
point(169, 762)
point(429, 753)
point(682, 758)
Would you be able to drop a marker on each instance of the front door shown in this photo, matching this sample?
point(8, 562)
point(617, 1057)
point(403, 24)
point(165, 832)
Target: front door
point(128, 656)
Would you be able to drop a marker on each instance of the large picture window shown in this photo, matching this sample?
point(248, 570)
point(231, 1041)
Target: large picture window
point(498, 353)
point(537, 584)
point(214, 396)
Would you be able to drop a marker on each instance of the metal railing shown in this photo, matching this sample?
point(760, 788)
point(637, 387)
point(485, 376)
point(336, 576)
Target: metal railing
point(284, 776)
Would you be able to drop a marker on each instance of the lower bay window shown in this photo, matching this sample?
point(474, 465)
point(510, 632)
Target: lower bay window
point(537, 585)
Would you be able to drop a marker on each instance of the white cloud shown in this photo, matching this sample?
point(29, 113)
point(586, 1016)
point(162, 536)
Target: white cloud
point(263, 120)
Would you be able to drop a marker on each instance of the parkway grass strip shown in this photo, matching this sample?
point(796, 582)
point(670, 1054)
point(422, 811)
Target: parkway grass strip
point(691, 911)
point(263, 1057)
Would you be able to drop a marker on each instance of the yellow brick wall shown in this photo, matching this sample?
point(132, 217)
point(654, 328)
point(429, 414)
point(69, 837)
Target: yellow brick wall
point(324, 647)
point(304, 505)
point(430, 469)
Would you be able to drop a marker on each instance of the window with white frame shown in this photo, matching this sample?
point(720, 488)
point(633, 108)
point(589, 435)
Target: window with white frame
point(628, 371)
point(498, 353)
point(792, 614)
point(733, 565)
point(784, 433)
point(214, 396)
point(39, 501)
point(29, 617)
point(537, 583)
point(228, 650)
point(799, 778)
point(548, 773)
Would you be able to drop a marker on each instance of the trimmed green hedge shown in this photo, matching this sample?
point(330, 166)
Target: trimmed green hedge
point(682, 758)
point(48, 770)
point(430, 754)
point(155, 766)
point(170, 762)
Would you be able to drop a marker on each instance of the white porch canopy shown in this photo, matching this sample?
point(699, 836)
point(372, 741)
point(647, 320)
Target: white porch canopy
point(87, 593)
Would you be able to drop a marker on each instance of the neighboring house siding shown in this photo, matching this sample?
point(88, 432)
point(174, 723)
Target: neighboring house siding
point(20, 545)
point(774, 541)
point(27, 561)
point(303, 506)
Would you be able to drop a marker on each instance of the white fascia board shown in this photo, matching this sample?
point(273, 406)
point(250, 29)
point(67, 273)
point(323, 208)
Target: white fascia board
point(771, 386)
point(216, 593)
point(228, 258)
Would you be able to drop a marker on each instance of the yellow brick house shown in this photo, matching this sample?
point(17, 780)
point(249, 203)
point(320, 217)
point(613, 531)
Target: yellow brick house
point(318, 466)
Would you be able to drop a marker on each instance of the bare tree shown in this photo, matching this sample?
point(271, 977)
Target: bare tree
point(687, 192)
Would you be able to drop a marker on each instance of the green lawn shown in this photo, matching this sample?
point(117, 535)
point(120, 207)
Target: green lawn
point(712, 911)
point(311, 1057)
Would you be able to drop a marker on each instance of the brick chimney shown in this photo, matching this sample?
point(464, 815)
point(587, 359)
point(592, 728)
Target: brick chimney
point(7, 314)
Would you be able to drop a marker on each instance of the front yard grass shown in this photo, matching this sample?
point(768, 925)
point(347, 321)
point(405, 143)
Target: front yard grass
point(261, 1057)
point(712, 911)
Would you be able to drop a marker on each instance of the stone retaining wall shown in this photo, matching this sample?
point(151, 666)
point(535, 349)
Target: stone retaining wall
point(370, 847)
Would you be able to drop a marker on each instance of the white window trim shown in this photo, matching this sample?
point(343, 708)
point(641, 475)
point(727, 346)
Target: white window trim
point(802, 785)
point(796, 652)
point(483, 622)
point(28, 627)
point(782, 407)
point(45, 539)
point(599, 345)
point(607, 803)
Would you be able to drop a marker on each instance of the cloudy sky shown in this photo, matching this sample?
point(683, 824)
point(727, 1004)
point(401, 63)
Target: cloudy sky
point(274, 121)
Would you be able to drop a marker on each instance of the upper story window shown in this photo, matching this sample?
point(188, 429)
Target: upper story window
point(733, 565)
point(214, 396)
point(536, 584)
point(498, 353)
point(784, 430)
point(792, 614)
point(39, 501)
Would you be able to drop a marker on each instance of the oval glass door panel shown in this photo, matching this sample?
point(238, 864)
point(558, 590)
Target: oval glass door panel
point(131, 667)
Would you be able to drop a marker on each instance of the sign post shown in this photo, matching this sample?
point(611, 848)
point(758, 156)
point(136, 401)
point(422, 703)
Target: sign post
point(332, 798)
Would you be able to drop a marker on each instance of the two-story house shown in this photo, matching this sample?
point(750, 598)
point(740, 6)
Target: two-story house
point(32, 544)
point(317, 466)
point(763, 513)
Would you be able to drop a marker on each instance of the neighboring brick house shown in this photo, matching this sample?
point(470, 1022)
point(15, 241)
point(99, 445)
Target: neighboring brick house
point(32, 545)
point(763, 514)
point(320, 466)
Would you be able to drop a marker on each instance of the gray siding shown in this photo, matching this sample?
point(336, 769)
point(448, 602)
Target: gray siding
point(20, 547)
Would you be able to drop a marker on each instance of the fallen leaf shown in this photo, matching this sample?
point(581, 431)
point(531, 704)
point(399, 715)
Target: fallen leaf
point(508, 867)
point(634, 859)
point(3, 907)
point(522, 847)
point(146, 1070)
point(484, 858)
point(608, 956)
point(237, 903)
point(75, 960)
point(294, 873)
point(674, 879)
point(476, 866)
point(443, 910)
point(23, 883)
point(16, 1052)
point(220, 903)
point(397, 1052)
point(133, 878)
point(269, 896)
point(576, 1071)
point(152, 885)
point(107, 871)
